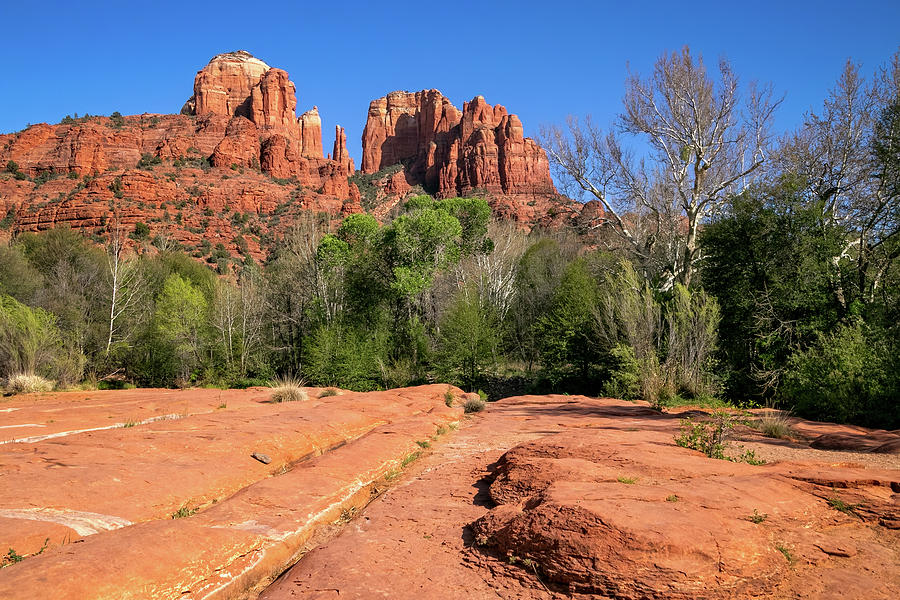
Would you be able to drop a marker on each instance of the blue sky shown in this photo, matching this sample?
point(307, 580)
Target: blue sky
point(542, 60)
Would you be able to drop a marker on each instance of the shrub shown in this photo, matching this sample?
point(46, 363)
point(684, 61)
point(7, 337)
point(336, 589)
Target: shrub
point(117, 120)
point(141, 231)
point(148, 160)
point(849, 375)
point(708, 436)
point(327, 393)
point(287, 389)
point(31, 343)
point(624, 374)
point(473, 406)
point(22, 383)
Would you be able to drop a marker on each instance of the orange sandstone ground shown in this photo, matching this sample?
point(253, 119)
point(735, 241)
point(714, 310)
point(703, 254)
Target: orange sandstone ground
point(98, 476)
point(537, 497)
point(571, 497)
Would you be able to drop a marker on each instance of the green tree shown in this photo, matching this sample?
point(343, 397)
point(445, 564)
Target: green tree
point(568, 349)
point(181, 312)
point(31, 343)
point(768, 263)
point(849, 375)
point(468, 342)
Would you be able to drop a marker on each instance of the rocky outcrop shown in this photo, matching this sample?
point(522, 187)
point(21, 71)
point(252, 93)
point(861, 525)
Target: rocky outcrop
point(311, 134)
point(223, 87)
point(451, 152)
point(340, 154)
point(273, 103)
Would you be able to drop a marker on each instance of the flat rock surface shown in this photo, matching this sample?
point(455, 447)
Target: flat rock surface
point(179, 507)
point(561, 497)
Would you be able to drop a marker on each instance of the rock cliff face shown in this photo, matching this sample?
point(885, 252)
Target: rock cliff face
point(237, 132)
point(451, 152)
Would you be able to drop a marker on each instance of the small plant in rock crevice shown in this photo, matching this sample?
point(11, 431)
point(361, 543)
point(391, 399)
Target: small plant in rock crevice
point(845, 507)
point(757, 517)
point(710, 436)
point(184, 511)
point(788, 555)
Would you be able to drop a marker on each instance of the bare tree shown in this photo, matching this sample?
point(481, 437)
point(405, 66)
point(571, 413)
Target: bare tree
point(844, 152)
point(124, 285)
point(492, 275)
point(704, 142)
point(238, 315)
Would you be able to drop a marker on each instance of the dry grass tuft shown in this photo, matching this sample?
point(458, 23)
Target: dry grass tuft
point(28, 384)
point(473, 406)
point(775, 424)
point(287, 389)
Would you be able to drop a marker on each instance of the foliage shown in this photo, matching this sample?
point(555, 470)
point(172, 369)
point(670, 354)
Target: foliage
point(774, 424)
point(148, 161)
point(468, 342)
point(710, 435)
point(848, 375)
point(767, 265)
point(31, 343)
point(473, 406)
point(179, 322)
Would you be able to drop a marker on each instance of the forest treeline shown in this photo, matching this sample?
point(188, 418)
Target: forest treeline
point(731, 264)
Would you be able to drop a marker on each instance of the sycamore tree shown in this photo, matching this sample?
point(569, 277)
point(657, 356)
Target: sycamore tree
point(705, 139)
point(847, 153)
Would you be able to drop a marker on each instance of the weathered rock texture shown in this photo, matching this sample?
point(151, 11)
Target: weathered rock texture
point(224, 86)
point(452, 152)
point(127, 495)
point(552, 497)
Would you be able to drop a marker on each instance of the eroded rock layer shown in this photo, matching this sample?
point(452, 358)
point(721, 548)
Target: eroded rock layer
point(452, 152)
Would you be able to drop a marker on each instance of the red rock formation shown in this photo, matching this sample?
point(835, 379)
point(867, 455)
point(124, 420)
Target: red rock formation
point(223, 87)
point(240, 146)
point(273, 103)
point(340, 154)
point(311, 134)
point(451, 152)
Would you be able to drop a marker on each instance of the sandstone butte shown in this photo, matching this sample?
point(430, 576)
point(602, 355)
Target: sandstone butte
point(238, 165)
point(156, 494)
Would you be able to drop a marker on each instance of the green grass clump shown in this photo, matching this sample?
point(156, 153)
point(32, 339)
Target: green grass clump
point(786, 552)
point(774, 424)
point(845, 507)
point(327, 393)
point(627, 480)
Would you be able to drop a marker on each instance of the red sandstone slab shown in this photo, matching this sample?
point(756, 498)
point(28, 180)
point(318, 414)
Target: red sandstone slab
point(113, 477)
point(228, 548)
point(596, 500)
